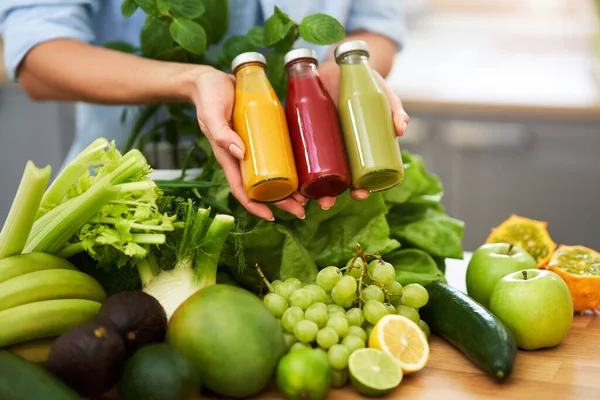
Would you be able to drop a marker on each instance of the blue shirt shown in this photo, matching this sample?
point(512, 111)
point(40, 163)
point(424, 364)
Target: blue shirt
point(26, 23)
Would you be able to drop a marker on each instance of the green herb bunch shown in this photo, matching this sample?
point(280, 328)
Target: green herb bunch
point(192, 31)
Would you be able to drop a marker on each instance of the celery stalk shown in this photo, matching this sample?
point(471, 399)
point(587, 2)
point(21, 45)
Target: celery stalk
point(70, 250)
point(48, 217)
point(53, 237)
point(92, 155)
point(23, 211)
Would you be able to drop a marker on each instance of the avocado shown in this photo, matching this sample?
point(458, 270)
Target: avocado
point(89, 358)
point(138, 317)
point(158, 372)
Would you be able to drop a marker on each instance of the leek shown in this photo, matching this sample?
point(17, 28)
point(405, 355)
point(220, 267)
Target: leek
point(21, 217)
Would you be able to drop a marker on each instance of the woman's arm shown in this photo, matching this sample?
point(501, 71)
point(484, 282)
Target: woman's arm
point(66, 69)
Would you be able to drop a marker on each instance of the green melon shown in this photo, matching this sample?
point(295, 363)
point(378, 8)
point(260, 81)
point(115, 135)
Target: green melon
point(231, 339)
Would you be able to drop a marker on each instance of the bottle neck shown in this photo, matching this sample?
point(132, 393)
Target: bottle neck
point(250, 69)
point(353, 58)
point(302, 69)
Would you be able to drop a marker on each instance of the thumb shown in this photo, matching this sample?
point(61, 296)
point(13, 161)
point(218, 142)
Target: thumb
point(224, 137)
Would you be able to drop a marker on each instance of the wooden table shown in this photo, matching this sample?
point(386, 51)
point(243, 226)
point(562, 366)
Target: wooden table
point(568, 371)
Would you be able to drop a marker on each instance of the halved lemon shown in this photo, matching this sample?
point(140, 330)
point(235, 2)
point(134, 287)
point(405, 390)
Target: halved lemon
point(403, 339)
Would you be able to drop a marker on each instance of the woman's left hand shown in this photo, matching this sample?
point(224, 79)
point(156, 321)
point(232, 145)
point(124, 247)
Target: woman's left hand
point(329, 73)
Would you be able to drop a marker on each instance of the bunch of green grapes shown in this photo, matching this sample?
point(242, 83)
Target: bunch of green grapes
point(337, 312)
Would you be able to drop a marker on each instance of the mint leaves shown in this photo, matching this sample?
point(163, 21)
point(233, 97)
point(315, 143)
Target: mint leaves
point(156, 39)
point(188, 34)
point(186, 8)
point(321, 29)
point(128, 7)
point(277, 27)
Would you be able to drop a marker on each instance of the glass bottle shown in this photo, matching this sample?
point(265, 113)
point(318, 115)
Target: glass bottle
point(314, 129)
point(366, 119)
point(268, 168)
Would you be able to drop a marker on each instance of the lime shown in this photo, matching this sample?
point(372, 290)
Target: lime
point(304, 374)
point(373, 372)
point(157, 372)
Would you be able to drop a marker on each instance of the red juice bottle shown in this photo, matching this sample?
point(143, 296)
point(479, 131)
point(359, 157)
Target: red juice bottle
point(314, 128)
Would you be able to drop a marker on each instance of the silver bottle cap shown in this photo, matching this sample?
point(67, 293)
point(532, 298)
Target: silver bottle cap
point(296, 54)
point(351, 45)
point(248, 57)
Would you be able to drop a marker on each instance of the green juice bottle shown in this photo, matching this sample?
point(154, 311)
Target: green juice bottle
point(366, 121)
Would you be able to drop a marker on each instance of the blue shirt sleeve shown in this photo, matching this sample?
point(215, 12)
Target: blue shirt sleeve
point(27, 23)
point(385, 17)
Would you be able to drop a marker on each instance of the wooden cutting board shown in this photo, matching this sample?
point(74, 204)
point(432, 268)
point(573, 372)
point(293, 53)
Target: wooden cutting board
point(569, 371)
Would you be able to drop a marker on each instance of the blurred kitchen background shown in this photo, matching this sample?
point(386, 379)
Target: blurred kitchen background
point(504, 99)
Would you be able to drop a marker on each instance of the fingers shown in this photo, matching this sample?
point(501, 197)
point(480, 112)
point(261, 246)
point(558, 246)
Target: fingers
point(401, 118)
point(359, 194)
point(326, 202)
point(234, 178)
point(300, 199)
point(401, 121)
point(329, 72)
point(292, 206)
point(224, 137)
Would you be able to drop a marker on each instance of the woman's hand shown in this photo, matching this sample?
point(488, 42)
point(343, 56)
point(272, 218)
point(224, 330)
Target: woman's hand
point(214, 96)
point(329, 72)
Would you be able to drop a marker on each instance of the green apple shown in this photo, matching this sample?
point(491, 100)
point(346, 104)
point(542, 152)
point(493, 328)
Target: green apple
point(535, 305)
point(489, 264)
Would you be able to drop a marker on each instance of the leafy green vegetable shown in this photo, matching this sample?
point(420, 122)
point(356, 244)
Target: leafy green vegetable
point(256, 35)
point(188, 34)
point(428, 228)
point(321, 29)
point(215, 19)
point(236, 45)
point(128, 7)
point(156, 39)
point(276, 73)
point(149, 6)
point(406, 225)
point(414, 266)
point(277, 26)
point(331, 236)
point(278, 252)
point(189, 9)
point(418, 186)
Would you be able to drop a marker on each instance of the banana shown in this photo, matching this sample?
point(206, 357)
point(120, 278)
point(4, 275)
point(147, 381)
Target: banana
point(21, 264)
point(52, 284)
point(44, 319)
point(35, 351)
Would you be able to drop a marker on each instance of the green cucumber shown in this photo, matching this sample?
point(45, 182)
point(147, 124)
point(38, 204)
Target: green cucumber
point(470, 327)
point(22, 380)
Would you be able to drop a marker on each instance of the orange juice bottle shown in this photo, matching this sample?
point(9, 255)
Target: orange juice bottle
point(268, 168)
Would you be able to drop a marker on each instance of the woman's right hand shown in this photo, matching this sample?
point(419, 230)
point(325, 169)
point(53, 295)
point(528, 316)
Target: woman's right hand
point(213, 96)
